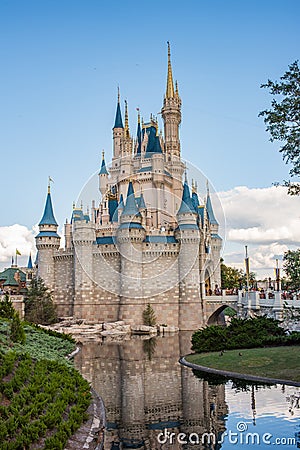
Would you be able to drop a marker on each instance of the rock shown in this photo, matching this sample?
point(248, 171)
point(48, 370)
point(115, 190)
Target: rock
point(143, 329)
point(167, 329)
point(112, 333)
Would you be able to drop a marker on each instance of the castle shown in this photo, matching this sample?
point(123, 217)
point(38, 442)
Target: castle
point(149, 240)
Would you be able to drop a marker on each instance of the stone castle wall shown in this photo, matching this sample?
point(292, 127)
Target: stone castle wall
point(95, 294)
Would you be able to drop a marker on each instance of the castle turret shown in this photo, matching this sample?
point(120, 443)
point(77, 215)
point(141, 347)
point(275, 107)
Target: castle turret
point(188, 234)
point(130, 236)
point(118, 131)
point(29, 270)
point(68, 235)
point(171, 114)
point(139, 137)
point(103, 177)
point(215, 241)
point(126, 149)
point(84, 237)
point(47, 243)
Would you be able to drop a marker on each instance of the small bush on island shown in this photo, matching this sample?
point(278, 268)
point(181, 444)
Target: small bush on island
point(149, 317)
point(243, 333)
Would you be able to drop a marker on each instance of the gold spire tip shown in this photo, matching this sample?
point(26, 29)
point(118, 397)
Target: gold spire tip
point(170, 85)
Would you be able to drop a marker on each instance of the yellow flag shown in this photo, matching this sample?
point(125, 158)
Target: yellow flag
point(17, 252)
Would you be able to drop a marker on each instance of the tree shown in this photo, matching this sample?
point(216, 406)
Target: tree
point(291, 266)
point(283, 120)
point(7, 311)
point(232, 278)
point(149, 316)
point(39, 306)
point(17, 333)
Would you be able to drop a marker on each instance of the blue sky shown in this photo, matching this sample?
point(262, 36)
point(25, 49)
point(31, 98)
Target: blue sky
point(61, 63)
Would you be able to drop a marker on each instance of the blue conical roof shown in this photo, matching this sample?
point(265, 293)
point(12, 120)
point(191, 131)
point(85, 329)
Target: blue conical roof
point(210, 212)
point(130, 208)
point(186, 202)
point(118, 120)
point(195, 200)
point(103, 170)
point(142, 204)
point(29, 264)
point(121, 202)
point(153, 145)
point(139, 139)
point(48, 216)
point(112, 209)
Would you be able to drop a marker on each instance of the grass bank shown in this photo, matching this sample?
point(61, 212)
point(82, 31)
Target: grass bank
point(275, 362)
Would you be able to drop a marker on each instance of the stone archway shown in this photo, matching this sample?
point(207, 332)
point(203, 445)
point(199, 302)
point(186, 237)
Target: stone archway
point(217, 317)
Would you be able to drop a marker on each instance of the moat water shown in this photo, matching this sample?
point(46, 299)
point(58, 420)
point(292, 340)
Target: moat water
point(152, 402)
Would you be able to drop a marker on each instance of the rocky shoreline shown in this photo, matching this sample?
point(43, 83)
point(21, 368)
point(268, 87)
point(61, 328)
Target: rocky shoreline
point(83, 330)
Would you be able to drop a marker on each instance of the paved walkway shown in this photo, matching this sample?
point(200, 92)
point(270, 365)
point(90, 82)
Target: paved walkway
point(90, 435)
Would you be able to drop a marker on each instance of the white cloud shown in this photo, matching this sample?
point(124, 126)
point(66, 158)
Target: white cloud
point(265, 219)
point(16, 237)
point(263, 215)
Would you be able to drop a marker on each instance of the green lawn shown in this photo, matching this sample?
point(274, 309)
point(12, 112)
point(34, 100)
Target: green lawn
point(275, 362)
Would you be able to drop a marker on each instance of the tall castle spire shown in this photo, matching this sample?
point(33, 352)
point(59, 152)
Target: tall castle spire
point(171, 113)
point(126, 129)
point(118, 130)
point(118, 120)
point(170, 84)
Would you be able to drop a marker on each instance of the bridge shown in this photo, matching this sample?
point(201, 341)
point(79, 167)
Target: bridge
point(273, 304)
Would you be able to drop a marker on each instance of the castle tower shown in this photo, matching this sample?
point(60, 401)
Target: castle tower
point(84, 237)
point(215, 242)
point(138, 137)
point(103, 177)
point(29, 270)
point(47, 243)
point(171, 114)
point(188, 234)
point(118, 131)
point(126, 149)
point(68, 235)
point(130, 236)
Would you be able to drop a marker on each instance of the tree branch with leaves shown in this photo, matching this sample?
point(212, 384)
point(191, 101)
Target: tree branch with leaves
point(283, 120)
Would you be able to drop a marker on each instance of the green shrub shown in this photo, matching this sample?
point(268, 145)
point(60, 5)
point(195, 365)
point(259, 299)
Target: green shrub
point(7, 311)
point(149, 316)
point(243, 333)
point(17, 333)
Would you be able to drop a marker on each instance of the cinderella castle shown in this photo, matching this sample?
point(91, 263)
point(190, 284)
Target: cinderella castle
point(150, 240)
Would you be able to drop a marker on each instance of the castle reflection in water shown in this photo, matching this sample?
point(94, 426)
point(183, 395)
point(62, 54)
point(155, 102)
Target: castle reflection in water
point(146, 391)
